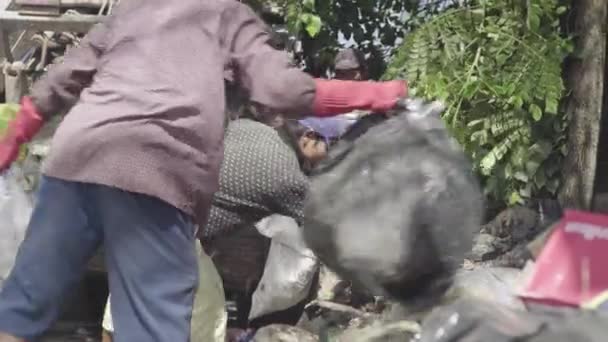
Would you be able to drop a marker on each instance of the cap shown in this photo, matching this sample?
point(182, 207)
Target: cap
point(347, 59)
point(329, 128)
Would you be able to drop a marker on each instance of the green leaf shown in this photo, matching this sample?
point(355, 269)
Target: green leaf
point(551, 106)
point(561, 10)
point(536, 112)
point(474, 123)
point(516, 101)
point(541, 149)
point(487, 163)
point(515, 198)
point(521, 176)
point(526, 191)
point(508, 171)
point(309, 4)
point(500, 76)
point(312, 24)
point(540, 179)
point(532, 166)
point(533, 22)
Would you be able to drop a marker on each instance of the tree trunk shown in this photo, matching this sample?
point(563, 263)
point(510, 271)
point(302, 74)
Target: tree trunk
point(586, 80)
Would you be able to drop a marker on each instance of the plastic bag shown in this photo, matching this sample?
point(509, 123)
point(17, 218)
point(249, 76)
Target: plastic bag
point(15, 210)
point(394, 208)
point(482, 321)
point(570, 270)
point(496, 285)
point(479, 321)
point(209, 316)
point(289, 270)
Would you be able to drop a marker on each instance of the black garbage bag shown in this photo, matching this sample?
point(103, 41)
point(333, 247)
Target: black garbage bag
point(395, 205)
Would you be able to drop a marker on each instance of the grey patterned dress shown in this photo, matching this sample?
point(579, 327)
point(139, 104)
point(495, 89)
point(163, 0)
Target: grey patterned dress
point(260, 176)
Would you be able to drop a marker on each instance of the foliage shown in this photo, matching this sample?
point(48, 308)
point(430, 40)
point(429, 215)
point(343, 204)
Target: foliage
point(497, 65)
point(374, 27)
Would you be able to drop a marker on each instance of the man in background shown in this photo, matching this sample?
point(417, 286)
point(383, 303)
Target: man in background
point(349, 65)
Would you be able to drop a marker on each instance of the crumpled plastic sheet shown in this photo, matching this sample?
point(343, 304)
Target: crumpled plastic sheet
point(497, 285)
point(15, 209)
point(289, 271)
point(473, 320)
point(479, 321)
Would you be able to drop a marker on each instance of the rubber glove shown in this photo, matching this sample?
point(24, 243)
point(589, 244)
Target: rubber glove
point(336, 97)
point(20, 130)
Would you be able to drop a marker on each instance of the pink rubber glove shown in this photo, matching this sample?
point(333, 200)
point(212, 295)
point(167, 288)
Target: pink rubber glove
point(337, 97)
point(20, 130)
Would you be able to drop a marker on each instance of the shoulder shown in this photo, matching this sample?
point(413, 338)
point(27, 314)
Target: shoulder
point(235, 12)
point(247, 130)
point(251, 142)
point(227, 7)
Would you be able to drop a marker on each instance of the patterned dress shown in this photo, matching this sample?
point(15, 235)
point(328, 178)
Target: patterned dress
point(260, 176)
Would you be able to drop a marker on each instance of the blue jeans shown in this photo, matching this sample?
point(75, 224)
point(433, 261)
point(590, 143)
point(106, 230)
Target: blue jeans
point(149, 252)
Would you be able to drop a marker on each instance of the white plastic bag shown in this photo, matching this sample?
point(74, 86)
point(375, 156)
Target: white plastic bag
point(15, 210)
point(289, 270)
point(209, 316)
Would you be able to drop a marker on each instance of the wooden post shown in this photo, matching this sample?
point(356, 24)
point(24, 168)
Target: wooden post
point(586, 80)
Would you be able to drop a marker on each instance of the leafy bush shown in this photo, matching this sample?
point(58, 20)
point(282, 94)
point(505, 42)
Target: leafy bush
point(374, 27)
point(498, 66)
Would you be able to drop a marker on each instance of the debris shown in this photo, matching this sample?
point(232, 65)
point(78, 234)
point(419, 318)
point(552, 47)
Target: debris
point(475, 320)
point(335, 307)
point(496, 285)
point(516, 257)
point(326, 318)
point(239, 257)
point(536, 246)
point(515, 224)
point(283, 333)
point(482, 321)
point(15, 210)
point(588, 327)
point(331, 287)
point(403, 331)
point(487, 247)
point(209, 316)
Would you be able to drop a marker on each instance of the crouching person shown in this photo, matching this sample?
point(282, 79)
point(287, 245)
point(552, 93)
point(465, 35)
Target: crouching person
point(135, 162)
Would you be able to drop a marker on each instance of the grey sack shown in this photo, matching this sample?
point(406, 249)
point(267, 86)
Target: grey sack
point(395, 206)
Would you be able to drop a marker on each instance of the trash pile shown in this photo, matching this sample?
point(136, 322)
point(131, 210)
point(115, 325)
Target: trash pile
point(529, 274)
point(560, 294)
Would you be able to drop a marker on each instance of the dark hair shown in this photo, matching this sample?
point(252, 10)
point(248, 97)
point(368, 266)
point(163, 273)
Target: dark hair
point(292, 131)
point(361, 61)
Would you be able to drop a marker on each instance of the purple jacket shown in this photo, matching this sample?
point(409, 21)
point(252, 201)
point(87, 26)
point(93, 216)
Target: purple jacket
point(147, 92)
